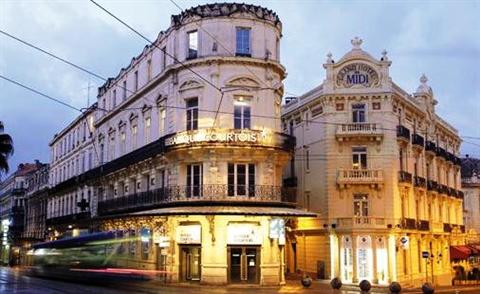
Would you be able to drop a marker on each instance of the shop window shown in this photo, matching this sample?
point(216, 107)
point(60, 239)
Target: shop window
point(241, 179)
point(194, 180)
point(192, 114)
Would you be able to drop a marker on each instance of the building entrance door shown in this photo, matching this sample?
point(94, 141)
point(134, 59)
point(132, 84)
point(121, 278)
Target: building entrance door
point(190, 261)
point(244, 264)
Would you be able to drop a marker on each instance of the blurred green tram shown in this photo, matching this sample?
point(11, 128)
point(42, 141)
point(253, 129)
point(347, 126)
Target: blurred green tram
point(95, 256)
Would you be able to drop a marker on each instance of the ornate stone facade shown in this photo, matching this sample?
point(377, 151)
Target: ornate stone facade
point(380, 168)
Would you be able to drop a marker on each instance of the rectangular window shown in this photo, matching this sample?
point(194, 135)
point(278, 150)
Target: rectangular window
point(241, 116)
point(136, 80)
point(164, 58)
point(146, 131)
point(112, 147)
point(192, 114)
point(192, 44)
point(360, 205)
point(101, 153)
point(194, 180)
point(359, 157)
point(241, 179)
point(162, 115)
point(124, 90)
point(149, 69)
point(307, 159)
point(134, 137)
point(243, 42)
point(358, 113)
point(122, 143)
point(114, 98)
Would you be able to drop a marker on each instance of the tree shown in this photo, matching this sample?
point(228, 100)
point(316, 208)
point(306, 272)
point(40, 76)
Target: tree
point(6, 150)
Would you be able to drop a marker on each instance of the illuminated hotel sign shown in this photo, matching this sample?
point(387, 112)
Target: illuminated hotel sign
point(244, 234)
point(5, 227)
point(225, 136)
point(190, 234)
point(357, 74)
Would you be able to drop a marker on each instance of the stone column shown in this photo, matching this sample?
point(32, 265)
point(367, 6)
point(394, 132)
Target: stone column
point(354, 261)
point(374, 255)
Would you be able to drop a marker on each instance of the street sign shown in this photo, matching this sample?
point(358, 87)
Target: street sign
point(425, 254)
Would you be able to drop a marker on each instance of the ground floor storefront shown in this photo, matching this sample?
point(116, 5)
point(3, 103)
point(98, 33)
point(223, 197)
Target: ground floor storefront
point(215, 249)
point(379, 256)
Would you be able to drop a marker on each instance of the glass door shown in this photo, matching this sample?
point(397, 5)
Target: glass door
point(190, 263)
point(244, 264)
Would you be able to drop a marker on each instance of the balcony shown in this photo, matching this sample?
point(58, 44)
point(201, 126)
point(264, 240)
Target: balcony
point(430, 147)
point(419, 182)
point(361, 222)
point(432, 186)
point(404, 177)
point(447, 228)
point(458, 161)
point(290, 182)
point(359, 176)
point(409, 224)
point(423, 225)
point(67, 219)
point(460, 194)
point(451, 157)
point(442, 189)
point(403, 133)
point(418, 140)
point(204, 194)
point(452, 192)
point(359, 131)
point(440, 152)
point(462, 228)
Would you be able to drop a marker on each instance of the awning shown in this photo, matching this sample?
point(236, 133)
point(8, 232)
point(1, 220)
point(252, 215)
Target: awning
point(461, 252)
point(225, 210)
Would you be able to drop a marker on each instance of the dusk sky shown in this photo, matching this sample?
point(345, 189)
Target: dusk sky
point(440, 39)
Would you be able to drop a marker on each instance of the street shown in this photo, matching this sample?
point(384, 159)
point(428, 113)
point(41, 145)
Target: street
point(14, 281)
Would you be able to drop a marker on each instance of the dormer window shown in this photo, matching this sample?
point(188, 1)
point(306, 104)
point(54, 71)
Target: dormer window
point(192, 38)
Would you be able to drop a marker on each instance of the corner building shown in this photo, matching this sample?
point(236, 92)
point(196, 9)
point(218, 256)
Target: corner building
point(380, 168)
point(191, 153)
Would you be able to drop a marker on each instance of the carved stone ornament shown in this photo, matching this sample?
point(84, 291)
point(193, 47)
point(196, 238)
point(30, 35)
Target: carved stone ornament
point(190, 85)
point(357, 74)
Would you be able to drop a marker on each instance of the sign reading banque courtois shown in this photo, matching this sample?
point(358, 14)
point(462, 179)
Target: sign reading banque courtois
point(357, 74)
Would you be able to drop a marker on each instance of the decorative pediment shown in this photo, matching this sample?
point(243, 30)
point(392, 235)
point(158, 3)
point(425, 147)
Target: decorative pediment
point(357, 74)
point(189, 85)
point(160, 99)
point(146, 108)
point(243, 81)
point(132, 116)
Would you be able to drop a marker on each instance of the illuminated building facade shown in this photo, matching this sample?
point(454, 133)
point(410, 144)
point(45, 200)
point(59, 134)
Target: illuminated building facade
point(13, 203)
point(380, 168)
point(471, 204)
point(72, 153)
point(191, 153)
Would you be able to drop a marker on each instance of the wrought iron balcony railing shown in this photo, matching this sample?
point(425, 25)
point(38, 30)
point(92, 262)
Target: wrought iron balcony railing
point(180, 195)
point(361, 222)
point(420, 182)
point(404, 177)
point(447, 228)
point(360, 176)
point(440, 152)
point(418, 140)
point(423, 225)
point(67, 219)
point(432, 185)
point(430, 147)
point(403, 133)
point(409, 224)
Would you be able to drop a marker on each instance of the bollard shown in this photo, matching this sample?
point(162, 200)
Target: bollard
point(395, 288)
point(365, 286)
point(306, 281)
point(427, 288)
point(336, 283)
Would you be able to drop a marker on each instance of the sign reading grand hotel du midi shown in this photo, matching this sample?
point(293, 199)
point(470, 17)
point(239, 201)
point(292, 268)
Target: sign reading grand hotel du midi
point(357, 74)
